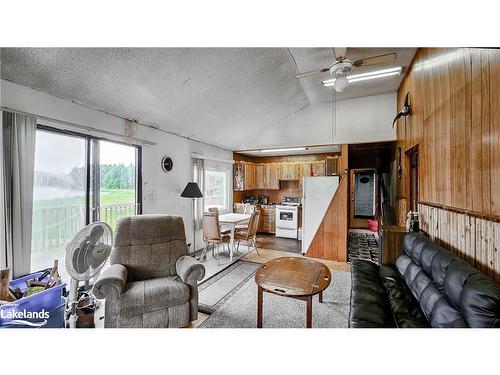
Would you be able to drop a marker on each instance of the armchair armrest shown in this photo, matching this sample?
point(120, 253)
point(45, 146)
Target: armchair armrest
point(111, 282)
point(189, 269)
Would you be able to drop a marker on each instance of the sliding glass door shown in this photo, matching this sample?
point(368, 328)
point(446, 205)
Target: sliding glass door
point(116, 192)
point(79, 179)
point(59, 196)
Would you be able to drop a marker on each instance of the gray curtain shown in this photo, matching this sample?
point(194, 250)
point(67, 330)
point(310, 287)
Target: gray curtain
point(18, 139)
point(3, 247)
point(199, 177)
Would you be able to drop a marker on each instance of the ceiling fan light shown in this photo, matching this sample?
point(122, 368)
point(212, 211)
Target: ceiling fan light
point(341, 83)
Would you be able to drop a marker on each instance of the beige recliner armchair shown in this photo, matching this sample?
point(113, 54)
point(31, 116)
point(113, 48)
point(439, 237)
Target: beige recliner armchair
point(151, 281)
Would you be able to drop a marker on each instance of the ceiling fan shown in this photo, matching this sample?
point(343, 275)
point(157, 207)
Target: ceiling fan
point(343, 66)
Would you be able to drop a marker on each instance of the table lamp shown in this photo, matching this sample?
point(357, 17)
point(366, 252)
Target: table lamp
point(192, 190)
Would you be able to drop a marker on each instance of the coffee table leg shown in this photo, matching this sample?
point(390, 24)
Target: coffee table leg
point(309, 312)
point(320, 297)
point(259, 307)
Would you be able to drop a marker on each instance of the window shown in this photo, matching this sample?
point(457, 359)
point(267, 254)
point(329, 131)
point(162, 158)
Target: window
point(217, 187)
point(78, 179)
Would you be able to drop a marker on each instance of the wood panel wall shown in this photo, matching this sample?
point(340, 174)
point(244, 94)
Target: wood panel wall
point(455, 122)
point(330, 241)
point(474, 239)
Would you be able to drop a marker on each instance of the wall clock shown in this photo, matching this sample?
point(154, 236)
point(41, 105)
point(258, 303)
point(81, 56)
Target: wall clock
point(167, 164)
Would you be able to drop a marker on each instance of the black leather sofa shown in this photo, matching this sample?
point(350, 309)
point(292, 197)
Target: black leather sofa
point(429, 287)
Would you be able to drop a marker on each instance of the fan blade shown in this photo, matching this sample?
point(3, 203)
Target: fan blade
point(311, 73)
point(387, 58)
point(340, 53)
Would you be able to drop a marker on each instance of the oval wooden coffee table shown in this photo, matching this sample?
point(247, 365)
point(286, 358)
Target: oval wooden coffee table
point(293, 277)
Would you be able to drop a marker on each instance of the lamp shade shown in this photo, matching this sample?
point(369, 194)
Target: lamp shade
point(191, 191)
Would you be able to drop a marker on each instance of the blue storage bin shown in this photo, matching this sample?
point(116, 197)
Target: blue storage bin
point(49, 300)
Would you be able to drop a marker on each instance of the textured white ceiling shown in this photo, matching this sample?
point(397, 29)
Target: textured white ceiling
point(317, 58)
point(222, 96)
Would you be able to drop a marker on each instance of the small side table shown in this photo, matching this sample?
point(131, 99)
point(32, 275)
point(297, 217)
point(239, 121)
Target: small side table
point(293, 277)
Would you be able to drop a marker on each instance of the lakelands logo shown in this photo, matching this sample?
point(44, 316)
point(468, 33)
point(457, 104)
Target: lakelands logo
point(23, 314)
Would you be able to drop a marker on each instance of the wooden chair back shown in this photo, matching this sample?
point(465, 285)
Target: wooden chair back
point(211, 227)
point(214, 210)
point(249, 209)
point(239, 208)
point(253, 224)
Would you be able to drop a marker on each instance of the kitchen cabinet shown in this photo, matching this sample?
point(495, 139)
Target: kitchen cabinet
point(243, 176)
point(267, 176)
point(289, 171)
point(260, 173)
point(318, 168)
point(267, 221)
point(272, 176)
point(304, 170)
point(249, 176)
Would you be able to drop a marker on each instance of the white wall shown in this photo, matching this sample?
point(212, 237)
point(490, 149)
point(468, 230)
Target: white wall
point(161, 191)
point(358, 120)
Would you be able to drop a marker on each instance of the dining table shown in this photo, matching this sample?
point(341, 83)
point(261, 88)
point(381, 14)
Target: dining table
point(231, 220)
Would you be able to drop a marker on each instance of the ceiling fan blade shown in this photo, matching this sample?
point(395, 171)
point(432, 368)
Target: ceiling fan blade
point(311, 73)
point(387, 58)
point(340, 53)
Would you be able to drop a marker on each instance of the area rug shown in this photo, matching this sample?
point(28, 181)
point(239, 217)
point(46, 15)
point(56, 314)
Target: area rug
point(240, 311)
point(215, 291)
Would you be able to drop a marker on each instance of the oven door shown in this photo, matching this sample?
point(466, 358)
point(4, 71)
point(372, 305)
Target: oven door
point(286, 218)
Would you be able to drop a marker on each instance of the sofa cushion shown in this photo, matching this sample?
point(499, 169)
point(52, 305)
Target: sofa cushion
point(408, 242)
point(144, 296)
point(418, 245)
point(439, 266)
point(457, 274)
point(480, 302)
point(429, 251)
point(369, 305)
point(445, 316)
point(405, 308)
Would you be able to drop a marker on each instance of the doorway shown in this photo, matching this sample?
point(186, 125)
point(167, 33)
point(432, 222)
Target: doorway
point(412, 155)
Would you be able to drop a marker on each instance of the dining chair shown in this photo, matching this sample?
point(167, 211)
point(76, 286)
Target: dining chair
point(239, 208)
point(250, 234)
point(216, 211)
point(212, 234)
point(248, 209)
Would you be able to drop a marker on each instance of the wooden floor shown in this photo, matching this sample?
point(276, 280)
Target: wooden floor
point(270, 241)
point(265, 255)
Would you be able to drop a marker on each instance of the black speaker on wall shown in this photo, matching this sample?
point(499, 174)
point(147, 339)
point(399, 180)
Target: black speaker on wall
point(365, 191)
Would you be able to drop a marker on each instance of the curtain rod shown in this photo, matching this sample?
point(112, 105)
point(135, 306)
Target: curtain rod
point(72, 124)
point(212, 158)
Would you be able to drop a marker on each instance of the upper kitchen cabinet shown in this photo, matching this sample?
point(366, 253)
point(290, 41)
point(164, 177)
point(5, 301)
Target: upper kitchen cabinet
point(244, 176)
point(267, 176)
point(318, 168)
point(272, 176)
point(289, 171)
point(304, 169)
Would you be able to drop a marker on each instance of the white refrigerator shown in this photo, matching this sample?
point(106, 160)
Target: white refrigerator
point(317, 193)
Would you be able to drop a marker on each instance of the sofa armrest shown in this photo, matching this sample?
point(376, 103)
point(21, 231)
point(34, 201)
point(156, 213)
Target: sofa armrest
point(111, 282)
point(189, 269)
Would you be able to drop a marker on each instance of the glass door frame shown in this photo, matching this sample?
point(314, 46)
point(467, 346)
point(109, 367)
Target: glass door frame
point(91, 165)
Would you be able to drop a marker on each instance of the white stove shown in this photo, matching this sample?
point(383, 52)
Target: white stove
point(287, 214)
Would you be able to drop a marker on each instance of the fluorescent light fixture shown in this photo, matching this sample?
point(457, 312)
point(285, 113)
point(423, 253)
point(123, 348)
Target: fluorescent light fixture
point(367, 76)
point(284, 149)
